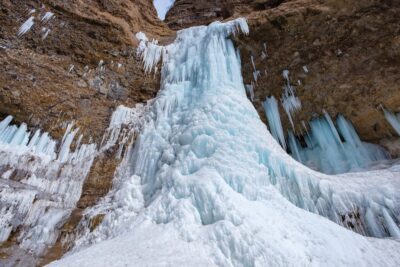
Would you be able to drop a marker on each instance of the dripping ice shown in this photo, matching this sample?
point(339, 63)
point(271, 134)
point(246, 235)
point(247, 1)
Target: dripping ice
point(206, 184)
point(49, 182)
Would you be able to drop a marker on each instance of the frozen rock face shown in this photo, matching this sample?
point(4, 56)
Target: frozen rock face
point(206, 178)
point(350, 51)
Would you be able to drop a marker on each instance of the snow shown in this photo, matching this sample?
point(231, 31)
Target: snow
point(207, 185)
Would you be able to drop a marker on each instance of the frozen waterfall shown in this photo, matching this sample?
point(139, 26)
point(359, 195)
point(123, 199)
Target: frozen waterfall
point(207, 185)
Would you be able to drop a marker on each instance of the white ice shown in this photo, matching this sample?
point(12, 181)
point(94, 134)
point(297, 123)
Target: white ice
point(26, 26)
point(40, 183)
point(47, 16)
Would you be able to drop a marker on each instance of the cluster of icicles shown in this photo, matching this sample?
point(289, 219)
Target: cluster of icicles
point(40, 182)
point(326, 147)
point(41, 179)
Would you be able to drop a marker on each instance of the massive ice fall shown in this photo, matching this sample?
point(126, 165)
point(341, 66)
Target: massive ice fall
point(206, 184)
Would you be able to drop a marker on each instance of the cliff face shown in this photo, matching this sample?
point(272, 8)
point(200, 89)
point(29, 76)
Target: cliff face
point(186, 13)
point(83, 68)
point(350, 50)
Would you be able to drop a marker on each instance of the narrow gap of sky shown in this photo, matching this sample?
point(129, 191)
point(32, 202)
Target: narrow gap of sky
point(162, 7)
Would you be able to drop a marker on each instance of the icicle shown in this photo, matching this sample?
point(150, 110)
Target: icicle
point(393, 119)
point(47, 16)
point(250, 90)
point(290, 102)
point(65, 145)
point(26, 27)
point(4, 123)
point(274, 120)
point(46, 34)
point(71, 68)
point(326, 152)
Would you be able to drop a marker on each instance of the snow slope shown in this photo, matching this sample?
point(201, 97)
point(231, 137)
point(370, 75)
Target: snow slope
point(207, 185)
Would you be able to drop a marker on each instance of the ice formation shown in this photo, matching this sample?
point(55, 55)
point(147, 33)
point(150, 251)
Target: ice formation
point(207, 185)
point(40, 183)
point(124, 125)
point(325, 151)
point(256, 73)
point(274, 120)
point(323, 148)
point(290, 102)
point(250, 90)
point(26, 26)
point(45, 33)
point(393, 119)
point(47, 16)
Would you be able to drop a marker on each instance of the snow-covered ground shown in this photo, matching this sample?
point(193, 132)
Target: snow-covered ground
point(207, 185)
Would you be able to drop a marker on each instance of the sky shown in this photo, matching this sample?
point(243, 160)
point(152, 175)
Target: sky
point(162, 7)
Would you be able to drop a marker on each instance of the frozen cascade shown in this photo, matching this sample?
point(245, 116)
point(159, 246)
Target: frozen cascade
point(39, 187)
point(207, 185)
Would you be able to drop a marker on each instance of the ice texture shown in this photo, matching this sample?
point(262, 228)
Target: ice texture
point(40, 183)
point(250, 91)
point(393, 119)
point(290, 102)
point(26, 26)
point(274, 120)
point(47, 16)
point(206, 184)
point(334, 149)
